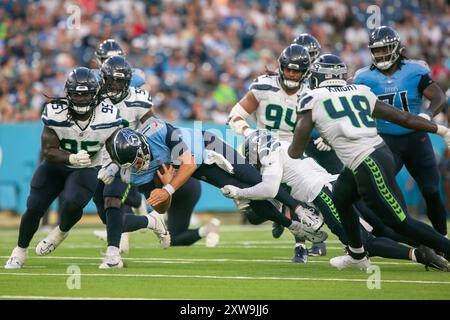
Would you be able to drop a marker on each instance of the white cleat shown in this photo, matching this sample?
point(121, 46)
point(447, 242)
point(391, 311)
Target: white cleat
point(347, 261)
point(299, 232)
point(157, 224)
point(51, 242)
point(124, 240)
point(212, 233)
point(17, 258)
point(111, 261)
point(124, 243)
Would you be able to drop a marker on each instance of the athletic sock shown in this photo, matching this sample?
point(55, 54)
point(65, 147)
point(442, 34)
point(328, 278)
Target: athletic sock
point(113, 226)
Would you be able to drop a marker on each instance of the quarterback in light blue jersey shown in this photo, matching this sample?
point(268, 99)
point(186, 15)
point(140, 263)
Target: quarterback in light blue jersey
point(403, 83)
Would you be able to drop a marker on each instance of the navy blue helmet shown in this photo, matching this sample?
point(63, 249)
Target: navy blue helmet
point(82, 88)
point(310, 43)
point(116, 74)
point(327, 71)
point(108, 48)
point(294, 57)
point(389, 40)
point(129, 148)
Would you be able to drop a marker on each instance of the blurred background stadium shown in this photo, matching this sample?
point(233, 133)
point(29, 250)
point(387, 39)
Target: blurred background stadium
point(198, 57)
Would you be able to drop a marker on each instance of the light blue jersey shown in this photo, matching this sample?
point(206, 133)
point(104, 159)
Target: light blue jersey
point(166, 144)
point(403, 90)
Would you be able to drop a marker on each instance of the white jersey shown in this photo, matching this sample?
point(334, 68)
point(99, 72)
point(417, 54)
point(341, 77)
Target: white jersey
point(305, 177)
point(104, 121)
point(276, 109)
point(137, 103)
point(343, 117)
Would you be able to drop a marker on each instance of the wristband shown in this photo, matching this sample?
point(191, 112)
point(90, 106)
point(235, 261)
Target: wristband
point(168, 187)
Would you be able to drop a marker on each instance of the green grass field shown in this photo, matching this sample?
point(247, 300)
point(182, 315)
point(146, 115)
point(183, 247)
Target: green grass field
point(247, 264)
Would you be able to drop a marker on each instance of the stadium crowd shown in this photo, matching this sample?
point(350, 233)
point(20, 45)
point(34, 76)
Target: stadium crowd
point(198, 56)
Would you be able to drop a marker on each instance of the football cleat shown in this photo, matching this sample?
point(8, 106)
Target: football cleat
point(111, 261)
point(430, 259)
point(51, 242)
point(318, 250)
point(124, 240)
point(158, 226)
point(17, 258)
point(212, 233)
point(347, 261)
point(300, 255)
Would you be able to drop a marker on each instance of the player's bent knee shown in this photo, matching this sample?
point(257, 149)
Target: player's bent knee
point(112, 202)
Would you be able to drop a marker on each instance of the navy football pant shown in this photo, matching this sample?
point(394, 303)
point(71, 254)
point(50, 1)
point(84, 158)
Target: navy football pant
point(47, 183)
point(415, 151)
point(374, 181)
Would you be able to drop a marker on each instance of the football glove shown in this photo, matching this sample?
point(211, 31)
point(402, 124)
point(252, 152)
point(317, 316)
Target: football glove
point(321, 145)
point(81, 159)
point(107, 173)
point(230, 191)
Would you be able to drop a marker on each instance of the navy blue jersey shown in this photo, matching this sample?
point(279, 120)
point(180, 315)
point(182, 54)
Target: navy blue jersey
point(403, 90)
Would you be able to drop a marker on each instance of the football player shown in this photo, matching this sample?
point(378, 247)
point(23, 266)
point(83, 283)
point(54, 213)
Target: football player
point(343, 114)
point(75, 130)
point(311, 183)
point(110, 48)
point(272, 99)
point(112, 198)
point(201, 155)
point(403, 83)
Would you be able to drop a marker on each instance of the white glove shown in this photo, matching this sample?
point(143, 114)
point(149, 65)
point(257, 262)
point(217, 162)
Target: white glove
point(321, 145)
point(230, 191)
point(107, 174)
point(444, 133)
point(81, 159)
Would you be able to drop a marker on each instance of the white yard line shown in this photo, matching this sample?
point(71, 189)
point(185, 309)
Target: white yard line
point(179, 276)
point(190, 260)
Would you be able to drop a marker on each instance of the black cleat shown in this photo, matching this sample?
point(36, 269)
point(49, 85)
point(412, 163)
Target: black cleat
point(430, 259)
point(277, 230)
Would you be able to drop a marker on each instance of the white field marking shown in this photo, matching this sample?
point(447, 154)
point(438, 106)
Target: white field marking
point(70, 298)
point(155, 260)
point(180, 276)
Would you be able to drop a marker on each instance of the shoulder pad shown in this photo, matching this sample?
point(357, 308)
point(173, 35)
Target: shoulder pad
point(419, 64)
point(56, 115)
point(265, 83)
point(360, 72)
point(106, 116)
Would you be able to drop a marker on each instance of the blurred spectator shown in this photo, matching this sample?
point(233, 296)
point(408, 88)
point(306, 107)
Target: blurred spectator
point(198, 56)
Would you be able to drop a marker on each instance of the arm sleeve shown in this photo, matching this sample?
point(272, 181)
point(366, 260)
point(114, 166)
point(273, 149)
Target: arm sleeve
point(271, 179)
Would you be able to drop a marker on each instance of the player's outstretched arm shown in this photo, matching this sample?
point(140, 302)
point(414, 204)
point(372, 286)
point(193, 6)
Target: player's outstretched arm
point(50, 147)
point(302, 134)
point(185, 171)
point(404, 119)
point(240, 112)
